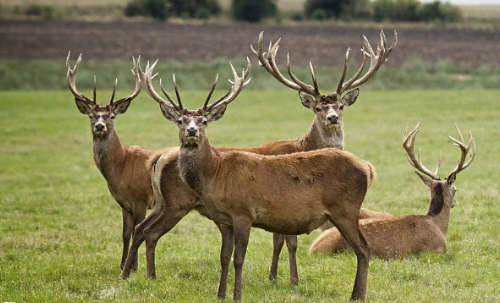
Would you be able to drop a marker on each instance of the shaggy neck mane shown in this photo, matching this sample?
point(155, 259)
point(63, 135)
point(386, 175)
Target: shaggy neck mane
point(439, 213)
point(320, 136)
point(197, 160)
point(437, 202)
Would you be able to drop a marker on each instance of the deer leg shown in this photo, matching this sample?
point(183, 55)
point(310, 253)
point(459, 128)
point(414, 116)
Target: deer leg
point(136, 242)
point(128, 227)
point(225, 257)
point(291, 244)
point(348, 226)
point(139, 215)
point(278, 241)
point(241, 235)
point(162, 225)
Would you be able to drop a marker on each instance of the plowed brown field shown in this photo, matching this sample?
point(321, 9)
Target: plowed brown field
point(322, 45)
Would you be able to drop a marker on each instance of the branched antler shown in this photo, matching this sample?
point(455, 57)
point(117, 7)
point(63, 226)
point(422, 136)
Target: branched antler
point(409, 146)
point(237, 85)
point(376, 61)
point(471, 146)
point(71, 77)
point(268, 61)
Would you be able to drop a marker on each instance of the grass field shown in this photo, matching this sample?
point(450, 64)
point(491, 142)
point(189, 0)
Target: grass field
point(61, 230)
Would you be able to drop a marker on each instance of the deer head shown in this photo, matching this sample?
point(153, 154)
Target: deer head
point(439, 188)
point(101, 117)
point(328, 108)
point(192, 123)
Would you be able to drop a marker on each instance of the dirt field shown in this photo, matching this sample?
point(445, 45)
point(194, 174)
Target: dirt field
point(321, 45)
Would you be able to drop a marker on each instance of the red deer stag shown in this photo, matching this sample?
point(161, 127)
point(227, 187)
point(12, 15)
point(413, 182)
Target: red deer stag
point(327, 129)
point(400, 235)
point(287, 194)
point(124, 167)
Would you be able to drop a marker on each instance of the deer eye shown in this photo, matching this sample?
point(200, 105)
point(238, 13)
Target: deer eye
point(179, 122)
point(91, 116)
point(318, 109)
point(341, 107)
point(113, 116)
point(205, 122)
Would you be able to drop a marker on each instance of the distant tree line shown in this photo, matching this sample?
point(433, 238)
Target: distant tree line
point(317, 10)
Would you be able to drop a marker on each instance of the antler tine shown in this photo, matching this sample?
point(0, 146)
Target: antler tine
point(355, 76)
point(471, 146)
point(95, 89)
point(344, 71)
point(315, 83)
point(238, 84)
point(138, 83)
point(376, 60)
point(148, 77)
point(439, 164)
point(211, 92)
point(268, 61)
point(114, 91)
point(176, 107)
point(71, 77)
point(246, 73)
point(409, 146)
point(304, 87)
point(176, 92)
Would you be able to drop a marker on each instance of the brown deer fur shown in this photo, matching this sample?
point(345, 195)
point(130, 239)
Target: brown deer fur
point(401, 235)
point(125, 168)
point(324, 132)
point(288, 194)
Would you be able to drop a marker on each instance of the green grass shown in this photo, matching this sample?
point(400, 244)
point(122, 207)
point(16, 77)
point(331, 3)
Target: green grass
point(60, 229)
point(51, 74)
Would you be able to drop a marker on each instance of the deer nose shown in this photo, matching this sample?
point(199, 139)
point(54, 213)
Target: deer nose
point(192, 131)
point(333, 119)
point(99, 127)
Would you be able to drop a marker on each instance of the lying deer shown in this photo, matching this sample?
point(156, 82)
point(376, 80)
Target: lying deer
point(124, 167)
point(400, 235)
point(287, 194)
point(326, 131)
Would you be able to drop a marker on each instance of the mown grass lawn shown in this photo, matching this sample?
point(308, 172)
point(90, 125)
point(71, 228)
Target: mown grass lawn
point(60, 230)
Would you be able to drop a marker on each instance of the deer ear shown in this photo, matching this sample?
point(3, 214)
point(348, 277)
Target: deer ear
point(451, 178)
point(306, 99)
point(121, 106)
point(350, 97)
point(425, 179)
point(83, 106)
point(216, 113)
point(168, 112)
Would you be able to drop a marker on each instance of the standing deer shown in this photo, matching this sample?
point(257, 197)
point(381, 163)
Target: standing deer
point(326, 131)
point(400, 235)
point(287, 194)
point(124, 167)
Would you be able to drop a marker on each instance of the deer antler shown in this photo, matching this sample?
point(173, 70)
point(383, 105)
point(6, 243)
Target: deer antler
point(71, 77)
point(268, 61)
point(148, 77)
point(471, 146)
point(376, 61)
point(237, 85)
point(409, 146)
point(138, 84)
